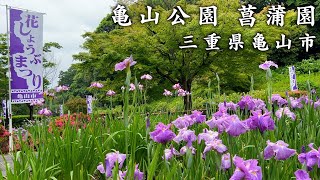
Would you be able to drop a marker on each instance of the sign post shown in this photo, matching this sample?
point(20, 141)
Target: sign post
point(25, 43)
point(89, 104)
point(61, 110)
point(293, 78)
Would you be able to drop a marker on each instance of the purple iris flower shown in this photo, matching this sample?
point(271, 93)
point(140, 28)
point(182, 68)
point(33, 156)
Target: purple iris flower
point(232, 106)
point(261, 121)
point(212, 122)
point(45, 112)
point(124, 64)
point(302, 175)
point(266, 65)
point(248, 169)
point(285, 111)
point(96, 85)
point(310, 158)
point(259, 104)
point(176, 86)
point(296, 103)
point(221, 123)
point(167, 93)
point(198, 117)
point(222, 111)
point(246, 102)
point(185, 135)
point(61, 88)
point(183, 122)
point(132, 87)
point(111, 159)
point(138, 175)
point(276, 98)
point(217, 145)
point(316, 104)
point(279, 149)
point(101, 169)
point(146, 77)
point(111, 93)
point(225, 161)
point(162, 133)
point(169, 153)
point(184, 149)
point(305, 99)
point(228, 106)
point(182, 92)
point(207, 136)
point(236, 127)
point(36, 102)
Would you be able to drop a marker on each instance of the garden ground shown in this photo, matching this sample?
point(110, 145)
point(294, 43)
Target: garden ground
point(8, 158)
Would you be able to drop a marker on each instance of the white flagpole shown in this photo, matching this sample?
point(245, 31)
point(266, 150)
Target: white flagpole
point(9, 103)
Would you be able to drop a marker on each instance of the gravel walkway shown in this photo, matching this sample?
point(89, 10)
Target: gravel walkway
point(8, 158)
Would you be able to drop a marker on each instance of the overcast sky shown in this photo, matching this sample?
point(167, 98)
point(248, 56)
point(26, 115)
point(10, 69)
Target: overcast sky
point(65, 21)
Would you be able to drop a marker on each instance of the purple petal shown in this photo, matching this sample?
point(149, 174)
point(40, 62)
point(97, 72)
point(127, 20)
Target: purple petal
point(236, 127)
point(283, 153)
point(225, 161)
point(302, 158)
point(165, 137)
point(268, 152)
point(237, 175)
point(101, 169)
point(302, 175)
point(311, 158)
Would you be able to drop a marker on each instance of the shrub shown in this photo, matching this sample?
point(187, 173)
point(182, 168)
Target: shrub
point(20, 120)
point(75, 120)
point(76, 104)
point(311, 65)
point(4, 138)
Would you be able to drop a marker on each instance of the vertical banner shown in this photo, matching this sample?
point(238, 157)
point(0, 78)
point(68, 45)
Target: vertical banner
point(89, 104)
point(61, 109)
point(26, 57)
point(4, 108)
point(293, 79)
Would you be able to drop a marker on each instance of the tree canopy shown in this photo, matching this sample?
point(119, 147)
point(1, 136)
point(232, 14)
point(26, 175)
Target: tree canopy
point(156, 47)
point(4, 83)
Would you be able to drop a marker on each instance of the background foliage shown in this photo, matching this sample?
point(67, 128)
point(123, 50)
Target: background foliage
point(155, 47)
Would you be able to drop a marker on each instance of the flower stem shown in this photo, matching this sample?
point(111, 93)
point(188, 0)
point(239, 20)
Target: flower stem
point(126, 106)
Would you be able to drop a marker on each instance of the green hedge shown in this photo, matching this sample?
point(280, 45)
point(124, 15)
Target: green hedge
point(19, 120)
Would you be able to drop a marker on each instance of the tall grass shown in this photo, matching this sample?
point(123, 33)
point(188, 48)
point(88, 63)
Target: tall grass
point(73, 153)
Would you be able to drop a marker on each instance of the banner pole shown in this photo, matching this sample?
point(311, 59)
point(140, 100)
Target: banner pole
point(7, 117)
point(22, 9)
point(9, 66)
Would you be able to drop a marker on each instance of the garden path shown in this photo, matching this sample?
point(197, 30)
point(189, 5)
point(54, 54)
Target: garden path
point(8, 158)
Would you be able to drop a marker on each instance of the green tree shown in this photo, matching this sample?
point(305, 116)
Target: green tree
point(66, 77)
point(156, 47)
point(77, 78)
point(312, 30)
point(260, 4)
point(296, 53)
point(4, 83)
